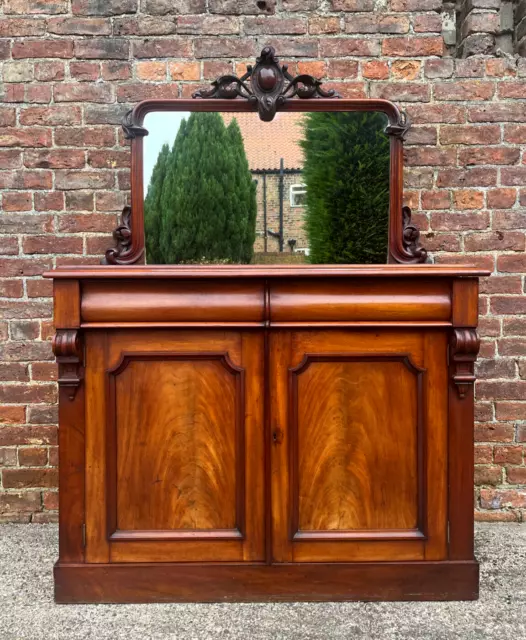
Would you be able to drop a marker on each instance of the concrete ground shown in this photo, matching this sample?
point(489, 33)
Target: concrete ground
point(27, 611)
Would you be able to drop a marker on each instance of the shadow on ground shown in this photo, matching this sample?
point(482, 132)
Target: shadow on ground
point(27, 611)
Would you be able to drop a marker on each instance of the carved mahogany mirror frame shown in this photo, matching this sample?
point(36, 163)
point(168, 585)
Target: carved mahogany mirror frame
point(270, 88)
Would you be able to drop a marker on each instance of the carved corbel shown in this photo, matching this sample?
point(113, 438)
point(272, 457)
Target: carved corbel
point(68, 352)
point(463, 350)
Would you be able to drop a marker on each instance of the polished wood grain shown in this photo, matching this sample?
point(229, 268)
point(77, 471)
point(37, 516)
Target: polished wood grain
point(178, 437)
point(178, 301)
point(354, 444)
point(180, 481)
point(359, 300)
point(136, 583)
point(71, 434)
point(182, 272)
point(354, 423)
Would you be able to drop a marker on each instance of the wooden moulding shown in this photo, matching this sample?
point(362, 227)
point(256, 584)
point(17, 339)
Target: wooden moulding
point(142, 583)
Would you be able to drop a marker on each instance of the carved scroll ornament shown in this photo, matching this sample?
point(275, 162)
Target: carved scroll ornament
point(123, 240)
point(268, 84)
point(463, 349)
point(411, 238)
point(68, 351)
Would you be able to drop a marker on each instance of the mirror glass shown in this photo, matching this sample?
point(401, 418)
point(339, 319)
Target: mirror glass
point(227, 188)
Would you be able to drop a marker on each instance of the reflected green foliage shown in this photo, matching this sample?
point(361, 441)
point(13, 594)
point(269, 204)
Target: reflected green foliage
point(347, 176)
point(201, 201)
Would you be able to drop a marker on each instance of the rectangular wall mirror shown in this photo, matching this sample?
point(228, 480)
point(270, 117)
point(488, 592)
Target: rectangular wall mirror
point(228, 188)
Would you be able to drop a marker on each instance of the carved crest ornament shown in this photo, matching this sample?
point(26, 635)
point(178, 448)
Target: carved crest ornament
point(269, 86)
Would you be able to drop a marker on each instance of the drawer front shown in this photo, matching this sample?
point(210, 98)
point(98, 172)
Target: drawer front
point(172, 301)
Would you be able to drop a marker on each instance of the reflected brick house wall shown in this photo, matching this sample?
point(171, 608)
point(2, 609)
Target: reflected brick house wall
point(71, 68)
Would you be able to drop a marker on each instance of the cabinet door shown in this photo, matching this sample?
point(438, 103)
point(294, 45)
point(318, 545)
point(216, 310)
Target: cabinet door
point(359, 426)
point(175, 443)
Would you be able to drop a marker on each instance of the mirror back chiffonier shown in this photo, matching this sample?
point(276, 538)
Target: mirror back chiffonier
point(266, 393)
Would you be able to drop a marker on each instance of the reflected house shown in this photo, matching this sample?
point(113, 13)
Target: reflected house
point(276, 162)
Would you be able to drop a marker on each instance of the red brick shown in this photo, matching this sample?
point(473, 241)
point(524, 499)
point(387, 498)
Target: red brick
point(84, 71)
point(38, 93)
point(508, 390)
point(23, 393)
point(55, 159)
point(53, 201)
point(513, 176)
point(488, 475)
point(10, 436)
point(489, 155)
point(427, 23)
point(468, 199)
point(12, 415)
point(501, 284)
point(512, 90)
point(413, 46)
point(103, 49)
point(50, 498)
point(12, 27)
point(79, 26)
point(498, 113)
point(18, 201)
point(429, 156)
point(470, 134)
point(496, 516)
point(320, 24)
point(17, 137)
point(501, 498)
point(509, 455)
point(154, 71)
point(39, 289)
point(32, 456)
point(49, 71)
point(181, 48)
point(501, 198)
point(483, 454)
point(24, 478)
point(185, 71)
point(116, 70)
point(516, 475)
point(51, 244)
point(252, 26)
point(401, 91)
point(429, 114)
point(435, 199)
point(83, 93)
point(468, 90)
point(500, 67)
point(515, 134)
point(459, 221)
point(21, 502)
point(493, 431)
point(478, 177)
point(337, 47)
point(42, 49)
point(54, 115)
point(512, 264)
point(85, 136)
point(512, 347)
point(374, 70)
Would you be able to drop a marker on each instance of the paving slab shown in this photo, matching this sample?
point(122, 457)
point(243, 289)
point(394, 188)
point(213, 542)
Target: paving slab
point(27, 610)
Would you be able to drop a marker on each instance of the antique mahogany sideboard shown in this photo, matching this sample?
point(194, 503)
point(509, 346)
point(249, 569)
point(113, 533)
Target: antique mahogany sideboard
point(266, 433)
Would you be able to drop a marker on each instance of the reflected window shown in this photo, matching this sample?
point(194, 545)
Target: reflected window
point(298, 193)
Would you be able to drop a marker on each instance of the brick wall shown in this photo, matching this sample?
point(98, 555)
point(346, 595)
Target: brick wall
point(70, 69)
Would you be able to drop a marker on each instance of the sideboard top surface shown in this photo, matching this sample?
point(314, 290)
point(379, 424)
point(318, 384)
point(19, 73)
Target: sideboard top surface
point(264, 271)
